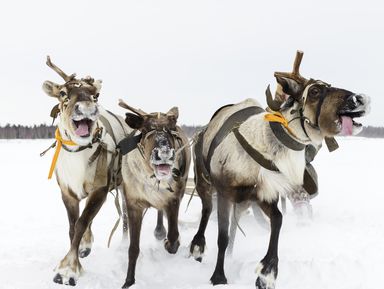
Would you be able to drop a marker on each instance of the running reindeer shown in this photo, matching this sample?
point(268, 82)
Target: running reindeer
point(246, 153)
point(155, 174)
point(86, 161)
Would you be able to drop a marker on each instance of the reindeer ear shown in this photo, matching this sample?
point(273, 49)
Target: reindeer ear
point(97, 84)
point(289, 85)
point(173, 113)
point(51, 88)
point(134, 121)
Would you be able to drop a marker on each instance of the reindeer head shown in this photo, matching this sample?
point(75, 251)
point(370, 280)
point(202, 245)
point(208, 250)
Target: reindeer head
point(325, 109)
point(77, 108)
point(158, 141)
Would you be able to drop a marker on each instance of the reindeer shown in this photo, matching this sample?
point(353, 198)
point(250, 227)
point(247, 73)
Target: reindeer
point(155, 174)
point(86, 162)
point(246, 153)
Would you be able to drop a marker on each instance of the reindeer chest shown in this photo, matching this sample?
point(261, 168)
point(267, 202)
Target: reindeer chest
point(148, 191)
point(73, 171)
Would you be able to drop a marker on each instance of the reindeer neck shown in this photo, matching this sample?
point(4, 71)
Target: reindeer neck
point(300, 130)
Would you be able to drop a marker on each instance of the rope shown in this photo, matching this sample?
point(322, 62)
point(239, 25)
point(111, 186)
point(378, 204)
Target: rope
point(237, 223)
point(118, 208)
point(59, 143)
point(278, 117)
point(190, 198)
point(192, 141)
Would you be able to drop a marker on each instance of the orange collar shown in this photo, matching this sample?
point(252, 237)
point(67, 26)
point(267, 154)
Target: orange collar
point(59, 143)
point(278, 117)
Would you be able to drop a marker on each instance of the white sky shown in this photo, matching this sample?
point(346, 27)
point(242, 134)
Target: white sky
point(198, 54)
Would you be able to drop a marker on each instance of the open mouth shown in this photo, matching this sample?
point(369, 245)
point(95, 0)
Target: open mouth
point(83, 127)
point(163, 170)
point(347, 122)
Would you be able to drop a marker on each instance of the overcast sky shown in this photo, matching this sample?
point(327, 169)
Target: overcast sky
point(198, 54)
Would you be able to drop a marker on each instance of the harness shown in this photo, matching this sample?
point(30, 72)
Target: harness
point(232, 124)
point(61, 143)
point(331, 142)
point(236, 119)
point(135, 141)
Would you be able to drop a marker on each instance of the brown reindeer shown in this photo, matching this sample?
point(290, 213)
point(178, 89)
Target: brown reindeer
point(246, 153)
point(86, 162)
point(154, 175)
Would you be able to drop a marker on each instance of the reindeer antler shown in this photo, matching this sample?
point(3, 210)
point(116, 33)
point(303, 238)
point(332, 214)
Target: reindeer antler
point(59, 71)
point(126, 106)
point(295, 74)
point(275, 103)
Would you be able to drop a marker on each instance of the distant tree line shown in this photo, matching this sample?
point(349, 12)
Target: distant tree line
point(27, 132)
point(372, 132)
point(43, 131)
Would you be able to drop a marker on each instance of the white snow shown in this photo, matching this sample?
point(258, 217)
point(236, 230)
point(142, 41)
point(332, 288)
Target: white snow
point(343, 247)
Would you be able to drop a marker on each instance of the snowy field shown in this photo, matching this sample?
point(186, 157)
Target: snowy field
point(343, 247)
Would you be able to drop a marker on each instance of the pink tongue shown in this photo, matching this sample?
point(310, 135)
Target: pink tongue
point(82, 129)
point(163, 169)
point(346, 125)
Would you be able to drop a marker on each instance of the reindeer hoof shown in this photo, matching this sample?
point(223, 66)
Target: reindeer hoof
point(261, 283)
point(71, 282)
point(84, 252)
point(197, 248)
point(128, 283)
point(171, 247)
point(218, 279)
point(266, 274)
point(160, 233)
point(59, 279)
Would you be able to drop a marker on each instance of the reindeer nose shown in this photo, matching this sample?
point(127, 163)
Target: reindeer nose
point(77, 109)
point(354, 101)
point(165, 154)
point(85, 108)
point(359, 99)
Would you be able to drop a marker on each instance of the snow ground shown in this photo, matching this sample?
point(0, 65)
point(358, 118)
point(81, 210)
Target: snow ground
point(342, 248)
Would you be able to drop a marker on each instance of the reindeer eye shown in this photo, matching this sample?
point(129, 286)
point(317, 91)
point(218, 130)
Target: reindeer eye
point(314, 91)
point(63, 93)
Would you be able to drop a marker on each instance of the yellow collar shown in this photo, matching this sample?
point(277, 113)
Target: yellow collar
point(278, 117)
point(59, 143)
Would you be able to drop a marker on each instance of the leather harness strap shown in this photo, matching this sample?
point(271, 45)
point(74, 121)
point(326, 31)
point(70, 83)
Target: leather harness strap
point(285, 138)
point(253, 153)
point(198, 148)
point(232, 125)
point(234, 120)
point(108, 127)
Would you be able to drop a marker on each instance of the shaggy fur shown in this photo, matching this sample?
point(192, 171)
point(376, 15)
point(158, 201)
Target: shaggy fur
point(313, 111)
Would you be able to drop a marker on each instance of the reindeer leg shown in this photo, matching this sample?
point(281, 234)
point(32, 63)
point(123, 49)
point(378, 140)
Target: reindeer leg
point(135, 217)
point(267, 268)
point(160, 231)
point(259, 216)
point(172, 243)
point(198, 242)
point(86, 242)
point(223, 208)
point(125, 213)
point(72, 206)
point(69, 268)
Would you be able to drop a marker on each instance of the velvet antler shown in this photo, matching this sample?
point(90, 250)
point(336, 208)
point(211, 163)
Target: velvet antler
point(295, 74)
point(126, 106)
point(59, 71)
